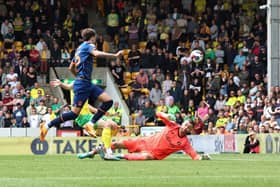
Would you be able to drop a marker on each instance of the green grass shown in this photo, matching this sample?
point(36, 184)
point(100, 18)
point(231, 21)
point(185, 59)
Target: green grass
point(223, 171)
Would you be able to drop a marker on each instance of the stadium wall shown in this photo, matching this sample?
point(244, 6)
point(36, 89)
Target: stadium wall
point(214, 144)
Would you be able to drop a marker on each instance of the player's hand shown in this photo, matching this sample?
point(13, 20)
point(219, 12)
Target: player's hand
point(55, 83)
point(119, 53)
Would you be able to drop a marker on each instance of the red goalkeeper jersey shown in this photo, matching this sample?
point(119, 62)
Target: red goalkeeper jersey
point(168, 141)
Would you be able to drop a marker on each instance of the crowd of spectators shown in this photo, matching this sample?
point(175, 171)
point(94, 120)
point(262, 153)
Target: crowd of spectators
point(35, 35)
point(225, 93)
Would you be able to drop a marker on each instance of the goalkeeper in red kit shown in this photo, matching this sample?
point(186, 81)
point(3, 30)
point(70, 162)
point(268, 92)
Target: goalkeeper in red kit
point(171, 139)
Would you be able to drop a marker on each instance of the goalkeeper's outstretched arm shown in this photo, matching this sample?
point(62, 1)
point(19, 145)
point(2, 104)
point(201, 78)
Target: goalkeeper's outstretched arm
point(165, 119)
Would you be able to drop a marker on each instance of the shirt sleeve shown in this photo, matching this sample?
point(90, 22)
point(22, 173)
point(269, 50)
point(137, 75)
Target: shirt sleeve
point(188, 149)
point(91, 47)
point(166, 121)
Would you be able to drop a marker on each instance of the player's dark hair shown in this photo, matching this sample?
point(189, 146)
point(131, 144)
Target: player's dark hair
point(88, 33)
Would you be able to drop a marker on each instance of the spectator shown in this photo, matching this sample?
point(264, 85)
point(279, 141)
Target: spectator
point(15, 101)
point(202, 111)
point(252, 144)
point(41, 108)
point(34, 119)
point(65, 57)
point(5, 27)
point(132, 102)
point(56, 106)
point(19, 114)
point(198, 125)
point(115, 113)
point(161, 107)
point(31, 77)
point(142, 79)
point(149, 112)
point(153, 81)
point(132, 34)
point(113, 23)
point(9, 38)
point(18, 24)
point(12, 77)
point(67, 124)
point(239, 60)
point(25, 123)
point(166, 84)
point(48, 116)
point(45, 57)
point(123, 39)
point(35, 90)
point(175, 92)
point(134, 59)
point(155, 93)
point(118, 72)
point(7, 101)
point(55, 55)
point(222, 120)
point(27, 99)
point(172, 108)
point(140, 119)
point(219, 53)
point(220, 103)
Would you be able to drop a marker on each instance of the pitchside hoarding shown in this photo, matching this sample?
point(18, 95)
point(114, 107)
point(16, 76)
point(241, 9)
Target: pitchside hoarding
point(269, 143)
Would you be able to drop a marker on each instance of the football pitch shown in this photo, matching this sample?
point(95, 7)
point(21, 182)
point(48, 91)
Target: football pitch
point(223, 170)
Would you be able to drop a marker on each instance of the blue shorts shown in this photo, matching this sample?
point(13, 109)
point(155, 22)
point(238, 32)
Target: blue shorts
point(83, 90)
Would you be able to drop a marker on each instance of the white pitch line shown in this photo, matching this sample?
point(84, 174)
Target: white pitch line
point(135, 177)
point(235, 159)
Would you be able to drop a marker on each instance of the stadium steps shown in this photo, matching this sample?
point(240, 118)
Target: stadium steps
point(99, 24)
point(44, 85)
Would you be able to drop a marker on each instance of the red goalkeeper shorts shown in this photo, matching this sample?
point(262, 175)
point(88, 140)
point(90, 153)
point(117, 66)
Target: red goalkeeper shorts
point(136, 145)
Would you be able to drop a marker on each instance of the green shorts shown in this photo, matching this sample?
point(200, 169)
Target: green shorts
point(81, 120)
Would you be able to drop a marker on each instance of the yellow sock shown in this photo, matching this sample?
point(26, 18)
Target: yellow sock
point(107, 137)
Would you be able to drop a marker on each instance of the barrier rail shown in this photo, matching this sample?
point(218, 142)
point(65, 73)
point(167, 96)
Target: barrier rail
point(24, 132)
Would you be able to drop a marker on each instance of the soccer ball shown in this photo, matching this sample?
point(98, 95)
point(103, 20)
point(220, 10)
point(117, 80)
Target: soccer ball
point(197, 56)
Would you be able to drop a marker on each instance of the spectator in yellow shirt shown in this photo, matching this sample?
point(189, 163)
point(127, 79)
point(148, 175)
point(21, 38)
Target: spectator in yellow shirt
point(222, 120)
point(232, 99)
point(115, 113)
point(241, 98)
point(34, 91)
point(67, 24)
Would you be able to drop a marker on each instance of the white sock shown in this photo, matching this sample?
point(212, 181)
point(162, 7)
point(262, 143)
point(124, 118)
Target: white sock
point(109, 151)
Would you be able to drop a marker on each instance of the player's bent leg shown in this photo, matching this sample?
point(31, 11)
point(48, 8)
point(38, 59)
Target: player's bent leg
point(107, 103)
point(118, 145)
point(62, 118)
point(107, 138)
point(139, 156)
point(90, 154)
